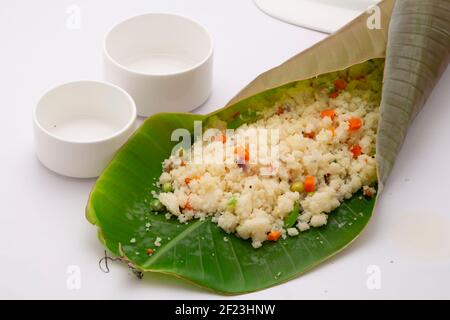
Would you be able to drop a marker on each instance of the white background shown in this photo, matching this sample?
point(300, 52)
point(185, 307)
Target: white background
point(42, 225)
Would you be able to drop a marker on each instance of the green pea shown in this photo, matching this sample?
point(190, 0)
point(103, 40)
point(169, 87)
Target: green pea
point(156, 205)
point(232, 203)
point(167, 187)
point(298, 187)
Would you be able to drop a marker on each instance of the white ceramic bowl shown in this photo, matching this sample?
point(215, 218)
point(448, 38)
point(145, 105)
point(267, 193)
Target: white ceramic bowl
point(163, 60)
point(78, 126)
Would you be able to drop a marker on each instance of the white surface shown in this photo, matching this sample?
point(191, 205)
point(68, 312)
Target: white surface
point(164, 61)
point(79, 126)
point(321, 15)
point(43, 229)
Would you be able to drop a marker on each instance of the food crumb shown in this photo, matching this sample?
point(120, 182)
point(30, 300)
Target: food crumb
point(133, 240)
point(158, 242)
point(292, 232)
point(369, 192)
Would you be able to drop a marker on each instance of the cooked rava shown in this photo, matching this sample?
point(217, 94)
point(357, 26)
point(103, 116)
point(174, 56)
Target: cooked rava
point(326, 152)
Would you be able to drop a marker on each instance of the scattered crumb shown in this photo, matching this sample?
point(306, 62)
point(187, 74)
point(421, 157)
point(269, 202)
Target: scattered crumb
point(225, 239)
point(303, 226)
point(158, 242)
point(369, 192)
point(133, 240)
point(292, 232)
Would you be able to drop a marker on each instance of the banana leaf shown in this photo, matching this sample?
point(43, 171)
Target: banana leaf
point(204, 254)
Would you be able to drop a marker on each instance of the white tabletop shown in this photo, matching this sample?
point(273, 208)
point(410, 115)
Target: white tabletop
point(403, 253)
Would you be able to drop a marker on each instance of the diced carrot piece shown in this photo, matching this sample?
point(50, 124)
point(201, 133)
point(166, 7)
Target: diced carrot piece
point(149, 251)
point(340, 84)
point(334, 94)
point(188, 180)
point(328, 113)
point(310, 135)
point(356, 150)
point(187, 206)
point(222, 138)
point(354, 124)
point(242, 153)
point(309, 184)
point(274, 235)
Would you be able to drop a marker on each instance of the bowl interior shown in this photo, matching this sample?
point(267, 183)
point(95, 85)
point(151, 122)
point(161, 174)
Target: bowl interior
point(158, 43)
point(85, 111)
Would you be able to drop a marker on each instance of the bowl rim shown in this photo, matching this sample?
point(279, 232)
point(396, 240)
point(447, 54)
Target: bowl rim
point(116, 134)
point(148, 74)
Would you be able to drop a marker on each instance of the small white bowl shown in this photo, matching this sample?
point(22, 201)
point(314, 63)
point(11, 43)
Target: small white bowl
point(163, 60)
point(78, 126)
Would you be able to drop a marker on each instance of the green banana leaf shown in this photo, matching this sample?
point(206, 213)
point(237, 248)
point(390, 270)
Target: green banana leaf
point(201, 252)
point(418, 52)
